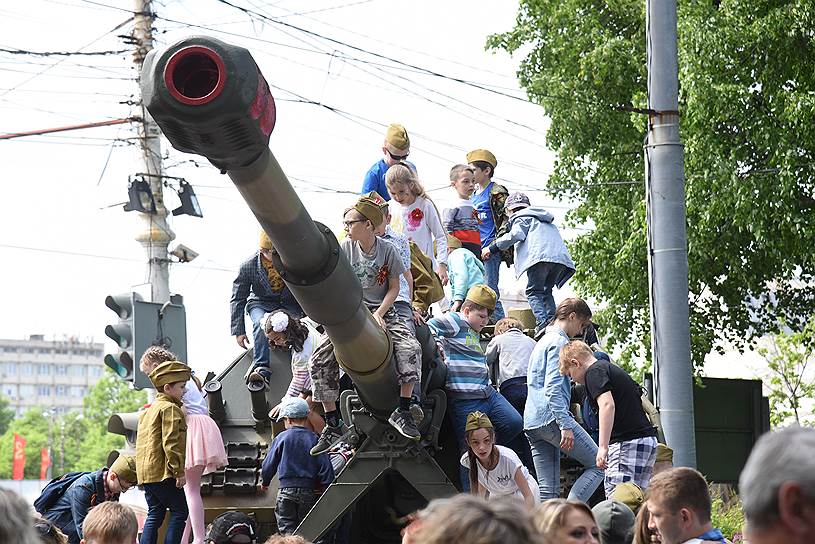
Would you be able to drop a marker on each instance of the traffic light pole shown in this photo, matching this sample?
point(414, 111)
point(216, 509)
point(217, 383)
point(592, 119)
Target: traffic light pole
point(667, 241)
point(155, 235)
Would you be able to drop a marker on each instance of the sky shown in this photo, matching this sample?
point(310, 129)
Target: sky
point(66, 243)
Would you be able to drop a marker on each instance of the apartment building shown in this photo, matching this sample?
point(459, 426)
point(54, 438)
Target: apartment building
point(54, 374)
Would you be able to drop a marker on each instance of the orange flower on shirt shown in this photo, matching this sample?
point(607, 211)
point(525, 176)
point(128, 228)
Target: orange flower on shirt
point(382, 275)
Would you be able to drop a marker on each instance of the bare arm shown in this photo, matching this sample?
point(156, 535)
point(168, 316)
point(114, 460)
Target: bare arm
point(607, 408)
point(523, 486)
point(387, 301)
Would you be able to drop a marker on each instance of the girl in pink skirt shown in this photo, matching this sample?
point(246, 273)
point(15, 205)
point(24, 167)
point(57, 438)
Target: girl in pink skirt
point(205, 446)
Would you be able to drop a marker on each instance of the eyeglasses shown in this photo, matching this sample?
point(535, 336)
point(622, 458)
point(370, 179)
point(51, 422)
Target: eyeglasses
point(397, 157)
point(347, 224)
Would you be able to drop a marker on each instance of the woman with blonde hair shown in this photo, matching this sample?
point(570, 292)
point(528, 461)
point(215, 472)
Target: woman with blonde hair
point(566, 522)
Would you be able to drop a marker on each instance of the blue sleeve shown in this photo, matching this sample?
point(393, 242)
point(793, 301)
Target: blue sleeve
point(80, 503)
point(371, 183)
point(458, 273)
point(517, 233)
point(443, 326)
point(553, 389)
point(326, 470)
point(237, 304)
point(272, 461)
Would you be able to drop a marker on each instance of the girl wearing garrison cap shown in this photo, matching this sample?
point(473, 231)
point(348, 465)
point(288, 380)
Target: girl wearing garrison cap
point(493, 468)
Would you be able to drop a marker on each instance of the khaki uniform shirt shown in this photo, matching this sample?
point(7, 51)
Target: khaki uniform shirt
point(161, 443)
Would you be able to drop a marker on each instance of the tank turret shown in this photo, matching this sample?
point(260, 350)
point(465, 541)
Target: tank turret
point(211, 99)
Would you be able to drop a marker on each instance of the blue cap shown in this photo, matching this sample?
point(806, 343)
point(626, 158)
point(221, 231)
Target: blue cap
point(293, 408)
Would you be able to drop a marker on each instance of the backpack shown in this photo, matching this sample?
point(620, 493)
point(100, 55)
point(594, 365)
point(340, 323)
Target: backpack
point(54, 490)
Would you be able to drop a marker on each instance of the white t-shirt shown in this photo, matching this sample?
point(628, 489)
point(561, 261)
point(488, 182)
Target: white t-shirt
point(299, 359)
point(194, 401)
point(500, 481)
point(420, 223)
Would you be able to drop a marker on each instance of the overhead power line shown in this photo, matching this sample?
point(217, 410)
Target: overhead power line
point(61, 53)
point(64, 129)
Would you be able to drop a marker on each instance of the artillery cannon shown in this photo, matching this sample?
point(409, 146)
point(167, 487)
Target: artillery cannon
point(210, 98)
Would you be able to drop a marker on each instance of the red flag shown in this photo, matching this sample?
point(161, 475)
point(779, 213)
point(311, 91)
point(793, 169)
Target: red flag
point(45, 462)
point(18, 467)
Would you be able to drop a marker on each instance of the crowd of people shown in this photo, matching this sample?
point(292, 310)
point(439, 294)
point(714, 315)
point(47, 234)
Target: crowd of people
point(509, 405)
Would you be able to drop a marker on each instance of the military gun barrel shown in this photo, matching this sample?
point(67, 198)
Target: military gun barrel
point(260, 407)
point(210, 98)
point(215, 400)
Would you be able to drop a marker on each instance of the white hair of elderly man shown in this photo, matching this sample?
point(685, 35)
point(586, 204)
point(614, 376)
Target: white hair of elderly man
point(777, 487)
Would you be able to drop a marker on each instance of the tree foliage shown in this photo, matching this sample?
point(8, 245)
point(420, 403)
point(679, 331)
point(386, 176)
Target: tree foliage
point(6, 414)
point(746, 104)
point(790, 360)
point(77, 441)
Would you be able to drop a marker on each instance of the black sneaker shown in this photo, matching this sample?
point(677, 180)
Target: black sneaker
point(329, 437)
point(402, 421)
point(260, 374)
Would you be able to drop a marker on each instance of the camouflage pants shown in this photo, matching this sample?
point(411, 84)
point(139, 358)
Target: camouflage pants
point(325, 370)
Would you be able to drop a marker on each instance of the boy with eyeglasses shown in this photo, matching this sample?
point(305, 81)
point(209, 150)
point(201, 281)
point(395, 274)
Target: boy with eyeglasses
point(378, 268)
point(395, 149)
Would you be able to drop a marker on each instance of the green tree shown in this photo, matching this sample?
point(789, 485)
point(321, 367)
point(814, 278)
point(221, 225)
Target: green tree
point(791, 379)
point(6, 414)
point(747, 104)
point(35, 426)
point(110, 395)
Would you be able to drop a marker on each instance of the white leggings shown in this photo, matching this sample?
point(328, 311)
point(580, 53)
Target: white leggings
point(195, 521)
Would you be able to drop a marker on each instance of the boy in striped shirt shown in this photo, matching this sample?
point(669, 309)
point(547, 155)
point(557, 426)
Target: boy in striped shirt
point(468, 383)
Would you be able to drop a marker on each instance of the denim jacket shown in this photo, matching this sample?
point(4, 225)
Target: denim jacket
point(548, 392)
point(536, 239)
point(69, 512)
point(252, 288)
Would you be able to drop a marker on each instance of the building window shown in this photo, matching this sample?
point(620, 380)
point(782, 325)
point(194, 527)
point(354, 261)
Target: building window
point(26, 391)
point(11, 369)
point(77, 391)
point(61, 370)
point(96, 371)
point(44, 390)
point(28, 369)
point(62, 391)
point(44, 370)
point(10, 391)
point(78, 370)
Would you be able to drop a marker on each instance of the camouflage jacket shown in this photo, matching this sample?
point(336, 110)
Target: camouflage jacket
point(498, 196)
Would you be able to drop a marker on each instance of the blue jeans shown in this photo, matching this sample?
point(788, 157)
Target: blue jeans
point(293, 503)
point(505, 419)
point(161, 496)
point(515, 391)
point(545, 442)
point(540, 279)
point(492, 267)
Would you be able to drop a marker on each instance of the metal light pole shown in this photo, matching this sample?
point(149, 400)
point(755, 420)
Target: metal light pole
point(155, 234)
point(667, 242)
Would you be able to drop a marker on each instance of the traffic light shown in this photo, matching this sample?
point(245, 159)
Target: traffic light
point(141, 325)
point(122, 333)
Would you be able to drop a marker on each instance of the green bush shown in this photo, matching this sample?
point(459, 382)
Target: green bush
point(726, 514)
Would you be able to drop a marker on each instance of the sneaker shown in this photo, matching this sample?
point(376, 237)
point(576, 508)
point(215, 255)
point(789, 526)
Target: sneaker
point(402, 421)
point(260, 374)
point(416, 413)
point(329, 437)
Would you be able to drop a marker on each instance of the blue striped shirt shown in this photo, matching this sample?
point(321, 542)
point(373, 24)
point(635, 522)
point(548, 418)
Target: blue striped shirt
point(467, 373)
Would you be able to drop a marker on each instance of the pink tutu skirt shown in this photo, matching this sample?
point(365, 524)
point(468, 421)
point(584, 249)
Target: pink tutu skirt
point(205, 446)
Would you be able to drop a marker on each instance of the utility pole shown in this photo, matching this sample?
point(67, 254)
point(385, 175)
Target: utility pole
point(155, 234)
point(667, 241)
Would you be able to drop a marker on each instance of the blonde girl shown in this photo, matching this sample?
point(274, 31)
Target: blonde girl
point(493, 468)
point(205, 452)
point(416, 217)
point(284, 331)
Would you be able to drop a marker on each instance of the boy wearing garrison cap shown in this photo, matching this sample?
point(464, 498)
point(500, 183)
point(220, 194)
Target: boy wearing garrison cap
point(468, 382)
point(160, 453)
point(377, 266)
point(68, 511)
point(488, 200)
point(395, 149)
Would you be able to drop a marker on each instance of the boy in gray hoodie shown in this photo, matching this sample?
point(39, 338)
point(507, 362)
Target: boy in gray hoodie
point(539, 251)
